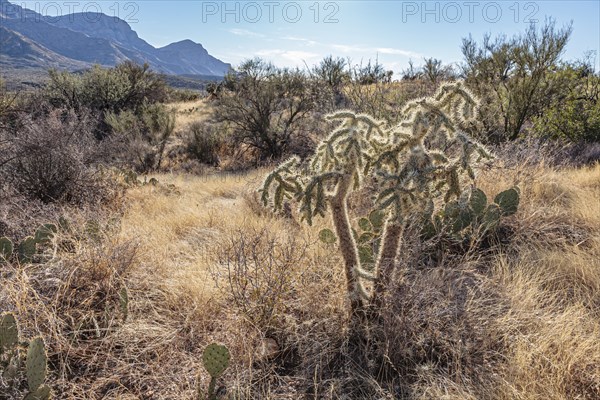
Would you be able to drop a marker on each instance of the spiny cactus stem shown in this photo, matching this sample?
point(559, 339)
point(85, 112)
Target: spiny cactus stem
point(387, 261)
point(346, 240)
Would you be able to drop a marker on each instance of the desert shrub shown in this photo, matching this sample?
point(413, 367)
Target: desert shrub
point(257, 267)
point(142, 134)
point(332, 74)
point(573, 106)
point(106, 90)
point(203, 142)
point(435, 72)
point(381, 100)
point(53, 158)
point(124, 87)
point(411, 73)
point(509, 74)
point(372, 72)
point(263, 105)
point(543, 150)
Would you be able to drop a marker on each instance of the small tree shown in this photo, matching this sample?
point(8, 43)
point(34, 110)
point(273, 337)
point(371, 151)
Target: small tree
point(434, 71)
point(264, 105)
point(332, 71)
point(411, 73)
point(509, 75)
point(572, 108)
point(371, 73)
point(426, 156)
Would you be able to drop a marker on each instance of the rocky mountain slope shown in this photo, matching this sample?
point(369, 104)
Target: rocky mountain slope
point(74, 41)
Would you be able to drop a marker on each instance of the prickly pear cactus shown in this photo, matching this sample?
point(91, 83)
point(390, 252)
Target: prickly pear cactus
point(327, 236)
point(9, 332)
point(215, 359)
point(42, 393)
point(12, 365)
point(64, 224)
point(6, 249)
point(27, 249)
point(477, 201)
point(508, 201)
point(45, 233)
point(36, 364)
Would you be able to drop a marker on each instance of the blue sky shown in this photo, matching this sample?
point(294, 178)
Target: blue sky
point(290, 33)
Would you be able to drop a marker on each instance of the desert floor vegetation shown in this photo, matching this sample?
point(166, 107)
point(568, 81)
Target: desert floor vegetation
point(519, 322)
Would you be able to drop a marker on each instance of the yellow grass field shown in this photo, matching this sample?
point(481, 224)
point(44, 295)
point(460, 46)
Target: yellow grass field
point(203, 261)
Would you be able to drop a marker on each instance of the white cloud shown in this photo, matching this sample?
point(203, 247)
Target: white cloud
point(245, 32)
point(308, 42)
point(296, 57)
point(380, 50)
point(399, 52)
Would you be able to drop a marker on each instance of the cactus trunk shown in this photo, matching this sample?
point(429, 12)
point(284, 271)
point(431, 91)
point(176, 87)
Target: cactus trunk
point(343, 230)
point(387, 261)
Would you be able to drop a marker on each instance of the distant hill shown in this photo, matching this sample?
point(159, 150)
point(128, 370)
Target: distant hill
point(30, 41)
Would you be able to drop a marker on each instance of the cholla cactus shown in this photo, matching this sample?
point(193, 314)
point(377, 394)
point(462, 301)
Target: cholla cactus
point(426, 156)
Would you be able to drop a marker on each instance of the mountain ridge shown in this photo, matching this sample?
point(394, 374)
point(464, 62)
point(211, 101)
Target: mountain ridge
point(80, 40)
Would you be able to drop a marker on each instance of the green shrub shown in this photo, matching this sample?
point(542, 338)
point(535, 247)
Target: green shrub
point(573, 109)
point(126, 87)
point(203, 142)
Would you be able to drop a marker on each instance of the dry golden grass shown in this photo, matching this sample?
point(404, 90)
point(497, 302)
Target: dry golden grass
point(519, 322)
point(190, 111)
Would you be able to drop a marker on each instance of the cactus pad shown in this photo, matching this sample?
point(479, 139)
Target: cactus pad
point(64, 224)
point(215, 359)
point(6, 248)
point(45, 233)
point(491, 217)
point(365, 254)
point(43, 393)
point(508, 201)
point(9, 331)
point(327, 236)
point(377, 219)
point(36, 364)
point(364, 224)
point(27, 248)
point(478, 201)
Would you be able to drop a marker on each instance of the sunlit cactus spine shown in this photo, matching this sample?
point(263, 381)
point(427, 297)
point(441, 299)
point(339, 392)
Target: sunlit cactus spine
point(428, 155)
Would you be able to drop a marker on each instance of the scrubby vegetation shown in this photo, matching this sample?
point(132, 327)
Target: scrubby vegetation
point(458, 256)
